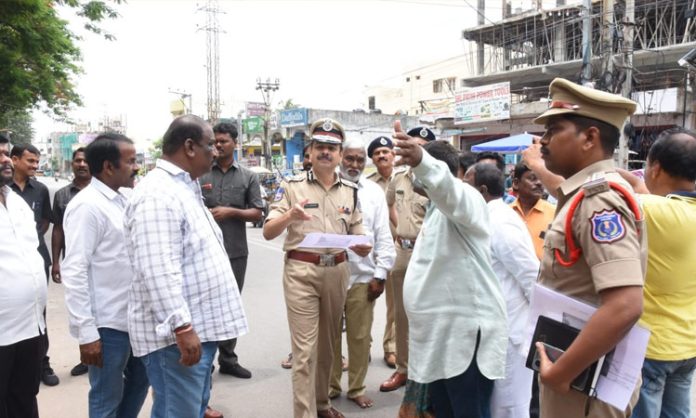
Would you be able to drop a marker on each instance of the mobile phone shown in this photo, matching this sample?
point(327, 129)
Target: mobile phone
point(553, 353)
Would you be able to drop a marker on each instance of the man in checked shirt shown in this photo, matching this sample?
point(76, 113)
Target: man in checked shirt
point(182, 301)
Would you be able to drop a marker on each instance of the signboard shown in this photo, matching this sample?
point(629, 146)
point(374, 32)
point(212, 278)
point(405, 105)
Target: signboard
point(293, 117)
point(255, 109)
point(655, 101)
point(482, 104)
point(253, 125)
point(273, 123)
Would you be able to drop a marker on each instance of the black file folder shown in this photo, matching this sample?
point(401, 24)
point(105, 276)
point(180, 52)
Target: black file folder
point(561, 336)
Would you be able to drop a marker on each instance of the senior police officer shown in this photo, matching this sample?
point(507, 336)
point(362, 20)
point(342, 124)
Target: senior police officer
point(316, 280)
point(381, 151)
point(407, 211)
point(600, 257)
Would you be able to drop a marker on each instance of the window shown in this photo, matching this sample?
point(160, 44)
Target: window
point(437, 86)
point(371, 103)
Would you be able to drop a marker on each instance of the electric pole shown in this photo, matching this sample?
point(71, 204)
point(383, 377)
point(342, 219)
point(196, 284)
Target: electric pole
point(212, 38)
point(267, 89)
point(586, 41)
point(627, 87)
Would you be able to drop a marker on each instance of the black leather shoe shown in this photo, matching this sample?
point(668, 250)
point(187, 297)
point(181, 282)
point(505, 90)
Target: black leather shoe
point(79, 370)
point(236, 371)
point(48, 377)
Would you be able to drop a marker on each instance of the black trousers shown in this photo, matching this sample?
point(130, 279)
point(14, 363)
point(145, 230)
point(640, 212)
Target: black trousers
point(227, 356)
point(20, 375)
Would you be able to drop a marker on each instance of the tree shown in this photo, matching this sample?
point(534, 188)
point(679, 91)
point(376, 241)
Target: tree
point(156, 149)
point(19, 123)
point(38, 54)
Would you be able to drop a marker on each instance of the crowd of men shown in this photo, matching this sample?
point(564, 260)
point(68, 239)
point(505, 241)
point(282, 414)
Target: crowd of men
point(153, 274)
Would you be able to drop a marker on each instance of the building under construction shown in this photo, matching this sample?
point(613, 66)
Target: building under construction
point(635, 48)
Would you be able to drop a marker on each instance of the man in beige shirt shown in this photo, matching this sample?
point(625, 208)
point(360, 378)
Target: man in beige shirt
point(381, 151)
point(600, 258)
point(315, 280)
point(407, 210)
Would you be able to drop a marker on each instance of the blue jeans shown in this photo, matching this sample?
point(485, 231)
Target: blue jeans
point(180, 391)
point(118, 388)
point(666, 389)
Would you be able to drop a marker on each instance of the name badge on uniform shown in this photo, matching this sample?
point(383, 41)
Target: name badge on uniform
point(207, 186)
point(399, 192)
point(311, 206)
point(607, 226)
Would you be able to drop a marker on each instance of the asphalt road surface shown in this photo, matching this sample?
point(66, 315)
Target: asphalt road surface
point(268, 393)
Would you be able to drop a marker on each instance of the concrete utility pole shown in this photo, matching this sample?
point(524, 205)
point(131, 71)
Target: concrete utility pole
point(480, 55)
point(608, 39)
point(586, 41)
point(627, 87)
point(212, 38)
point(267, 88)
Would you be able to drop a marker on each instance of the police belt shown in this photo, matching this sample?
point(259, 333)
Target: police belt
point(326, 260)
point(406, 244)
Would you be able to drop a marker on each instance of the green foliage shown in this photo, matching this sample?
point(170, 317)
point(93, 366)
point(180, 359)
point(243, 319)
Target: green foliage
point(156, 149)
point(38, 54)
point(19, 122)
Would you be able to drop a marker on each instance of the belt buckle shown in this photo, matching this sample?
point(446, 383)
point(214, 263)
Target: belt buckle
point(327, 260)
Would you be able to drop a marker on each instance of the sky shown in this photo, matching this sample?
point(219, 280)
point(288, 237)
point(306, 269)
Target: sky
point(324, 53)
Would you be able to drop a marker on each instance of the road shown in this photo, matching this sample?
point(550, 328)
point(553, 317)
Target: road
point(268, 393)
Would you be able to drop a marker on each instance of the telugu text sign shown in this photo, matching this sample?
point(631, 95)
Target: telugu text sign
point(482, 104)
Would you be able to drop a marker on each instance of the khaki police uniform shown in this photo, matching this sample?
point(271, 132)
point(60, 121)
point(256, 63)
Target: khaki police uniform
point(389, 340)
point(604, 227)
point(410, 208)
point(315, 282)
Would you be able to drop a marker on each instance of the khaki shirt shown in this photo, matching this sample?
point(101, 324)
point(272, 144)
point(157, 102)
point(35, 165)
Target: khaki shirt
point(410, 206)
point(333, 211)
point(614, 251)
point(614, 254)
point(383, 182)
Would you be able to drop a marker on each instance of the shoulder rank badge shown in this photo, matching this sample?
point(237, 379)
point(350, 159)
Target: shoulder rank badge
point(607, 226)
point(279, 194)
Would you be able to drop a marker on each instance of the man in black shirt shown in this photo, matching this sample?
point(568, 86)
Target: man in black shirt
point(25, 158)
point(233, 195)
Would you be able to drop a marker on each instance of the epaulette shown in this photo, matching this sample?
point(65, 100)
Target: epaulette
point(400, 170)
point(295, 178)
point(373, 175)
point(595, 186)
point(349, 183)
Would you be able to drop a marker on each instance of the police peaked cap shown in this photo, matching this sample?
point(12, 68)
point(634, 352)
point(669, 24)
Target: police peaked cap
point(379, 142)
point(422, 133)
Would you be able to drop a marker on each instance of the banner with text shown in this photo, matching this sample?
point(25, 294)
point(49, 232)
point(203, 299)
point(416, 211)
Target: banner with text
point(253, 125)
point(482, 104)
point(255, 109)
point(293, 117)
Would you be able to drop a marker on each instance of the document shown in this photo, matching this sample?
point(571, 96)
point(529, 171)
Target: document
point(616, 384)
point(320, 240)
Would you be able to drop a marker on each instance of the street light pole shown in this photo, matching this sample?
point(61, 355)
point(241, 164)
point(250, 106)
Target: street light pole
point(267, 88)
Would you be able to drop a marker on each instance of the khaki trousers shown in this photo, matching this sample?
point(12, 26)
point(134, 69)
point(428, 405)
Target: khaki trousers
point(389, 340)
point(400, 319)
point(359, 316)
point(315, 297)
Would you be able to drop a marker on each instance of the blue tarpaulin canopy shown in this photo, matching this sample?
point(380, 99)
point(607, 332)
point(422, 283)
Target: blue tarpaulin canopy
point(511, 144)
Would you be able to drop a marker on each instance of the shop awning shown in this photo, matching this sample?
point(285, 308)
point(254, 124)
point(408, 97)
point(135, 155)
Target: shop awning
point(511, 144)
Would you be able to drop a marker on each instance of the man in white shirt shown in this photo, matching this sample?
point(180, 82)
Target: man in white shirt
point(517, 267)
point(97, 275)
point(22, 299)
point(453, 300)
point(183, 299)
point(367, 277)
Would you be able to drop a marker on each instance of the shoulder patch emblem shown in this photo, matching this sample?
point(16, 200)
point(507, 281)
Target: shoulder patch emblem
point(607, 226)
point(279, 194)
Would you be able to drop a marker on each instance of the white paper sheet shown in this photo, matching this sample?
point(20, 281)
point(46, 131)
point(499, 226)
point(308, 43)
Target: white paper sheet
point(617, 386)
point(320, 240)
